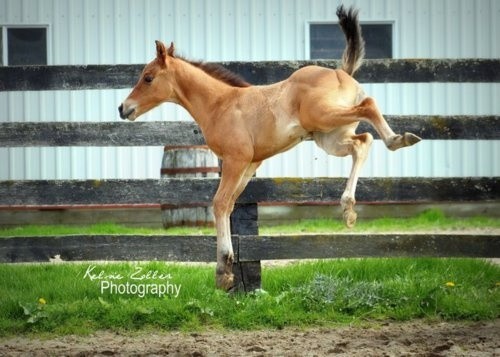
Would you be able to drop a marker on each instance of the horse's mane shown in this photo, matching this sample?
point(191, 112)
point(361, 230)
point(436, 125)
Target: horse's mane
point(219, 72)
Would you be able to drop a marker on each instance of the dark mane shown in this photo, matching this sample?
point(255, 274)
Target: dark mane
point(219, 72)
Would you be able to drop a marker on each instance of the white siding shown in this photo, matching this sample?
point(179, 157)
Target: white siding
point(123, 31)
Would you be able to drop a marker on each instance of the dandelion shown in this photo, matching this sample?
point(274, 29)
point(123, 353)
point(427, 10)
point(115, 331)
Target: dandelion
point(42, 301)
point(497, 284)
point(450, 284)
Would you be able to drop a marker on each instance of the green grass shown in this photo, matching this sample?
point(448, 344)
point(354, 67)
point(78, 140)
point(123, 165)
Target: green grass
point(100, 228)
point(430, 220)
point(306, 294)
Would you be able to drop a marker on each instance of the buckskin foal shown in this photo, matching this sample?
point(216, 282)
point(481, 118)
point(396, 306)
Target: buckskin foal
point(245, 124)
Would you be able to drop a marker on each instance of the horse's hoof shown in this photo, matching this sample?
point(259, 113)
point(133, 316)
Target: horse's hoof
point(411, 139)
point(400, 141)
point(350, 218)
point(225, 281)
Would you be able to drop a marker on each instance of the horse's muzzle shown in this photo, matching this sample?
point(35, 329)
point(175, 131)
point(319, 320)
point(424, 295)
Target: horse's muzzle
point(125, 113)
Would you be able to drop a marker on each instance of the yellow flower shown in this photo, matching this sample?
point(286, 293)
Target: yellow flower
point(498, 283)
point(42, 301)
point(450, 284)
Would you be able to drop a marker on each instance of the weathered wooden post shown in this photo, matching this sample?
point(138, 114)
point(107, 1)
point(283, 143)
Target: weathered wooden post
point(247, 274)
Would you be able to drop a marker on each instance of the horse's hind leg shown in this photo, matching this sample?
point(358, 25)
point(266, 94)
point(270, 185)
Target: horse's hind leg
point(342, 143)
point(370, 112)
point(327, 118)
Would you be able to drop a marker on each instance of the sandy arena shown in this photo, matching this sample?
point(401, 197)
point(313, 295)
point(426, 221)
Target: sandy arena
point(417, 338)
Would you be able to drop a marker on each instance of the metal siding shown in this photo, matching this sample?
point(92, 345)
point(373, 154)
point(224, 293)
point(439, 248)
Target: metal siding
point(123, 31)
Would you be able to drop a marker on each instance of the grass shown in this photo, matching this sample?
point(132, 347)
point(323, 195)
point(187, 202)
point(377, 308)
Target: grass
point(100, 228)
point(430, 220)
point(62, 298)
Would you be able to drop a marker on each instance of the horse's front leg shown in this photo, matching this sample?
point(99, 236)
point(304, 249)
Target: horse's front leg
point(225, 255)
point(233, 181)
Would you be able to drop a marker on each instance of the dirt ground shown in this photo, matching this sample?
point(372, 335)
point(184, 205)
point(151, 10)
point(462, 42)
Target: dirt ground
point(417, 338)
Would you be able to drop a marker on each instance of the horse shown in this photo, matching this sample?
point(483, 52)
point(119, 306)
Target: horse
point(245, 124)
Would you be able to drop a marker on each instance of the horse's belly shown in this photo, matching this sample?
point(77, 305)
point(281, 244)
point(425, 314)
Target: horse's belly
point(281, 139)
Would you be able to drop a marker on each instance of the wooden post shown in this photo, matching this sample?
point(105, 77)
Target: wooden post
point(247, 274)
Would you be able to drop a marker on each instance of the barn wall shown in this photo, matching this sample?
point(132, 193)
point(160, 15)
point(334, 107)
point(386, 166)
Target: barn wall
point(123, 31)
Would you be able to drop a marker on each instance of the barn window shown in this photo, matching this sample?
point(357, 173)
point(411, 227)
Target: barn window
point(22, 45)
point(327, 40)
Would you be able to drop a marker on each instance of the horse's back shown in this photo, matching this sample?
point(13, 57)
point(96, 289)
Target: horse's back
point(317, 76)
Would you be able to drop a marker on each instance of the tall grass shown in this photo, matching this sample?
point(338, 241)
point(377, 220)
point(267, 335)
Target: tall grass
point(62, 299)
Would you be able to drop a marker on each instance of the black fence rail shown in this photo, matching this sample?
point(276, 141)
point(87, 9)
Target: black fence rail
point(200, 191)
point(373, 71)
point(247, 248)
point(119, 133)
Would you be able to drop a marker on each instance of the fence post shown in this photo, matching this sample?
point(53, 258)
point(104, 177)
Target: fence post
point(247, 275)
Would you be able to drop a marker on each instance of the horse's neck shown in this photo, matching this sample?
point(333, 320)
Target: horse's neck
point(198, 92)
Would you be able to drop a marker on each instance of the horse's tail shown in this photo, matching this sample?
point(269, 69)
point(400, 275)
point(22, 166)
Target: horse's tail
point(355, 49)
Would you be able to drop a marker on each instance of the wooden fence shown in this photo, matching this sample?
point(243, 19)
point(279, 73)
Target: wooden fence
point(249, 247)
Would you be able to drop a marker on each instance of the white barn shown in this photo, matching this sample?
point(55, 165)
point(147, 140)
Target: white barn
point(123, 32)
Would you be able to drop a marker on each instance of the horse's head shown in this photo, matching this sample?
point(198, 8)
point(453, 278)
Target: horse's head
point(154, 86)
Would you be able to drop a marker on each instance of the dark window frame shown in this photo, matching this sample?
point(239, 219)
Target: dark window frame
point(339, 40)
point(5, 59)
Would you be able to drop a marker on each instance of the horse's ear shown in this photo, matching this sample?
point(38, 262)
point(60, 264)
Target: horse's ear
point(161, 52)
point(171, 50)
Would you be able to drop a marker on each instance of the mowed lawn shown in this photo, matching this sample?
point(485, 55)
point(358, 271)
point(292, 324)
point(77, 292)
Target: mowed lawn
point(81, 298)
point(428, 221)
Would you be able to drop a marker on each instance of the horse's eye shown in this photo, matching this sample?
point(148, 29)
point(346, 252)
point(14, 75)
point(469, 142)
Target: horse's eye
point(148, 79)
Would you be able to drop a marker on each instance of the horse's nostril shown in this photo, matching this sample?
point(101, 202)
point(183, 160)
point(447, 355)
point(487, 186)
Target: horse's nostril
point(125, 112)
point(122, 114)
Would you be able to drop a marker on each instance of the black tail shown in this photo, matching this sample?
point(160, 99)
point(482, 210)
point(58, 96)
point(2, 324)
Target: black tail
point(355, 49)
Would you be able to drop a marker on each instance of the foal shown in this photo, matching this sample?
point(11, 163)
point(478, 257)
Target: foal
point(244, 124)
